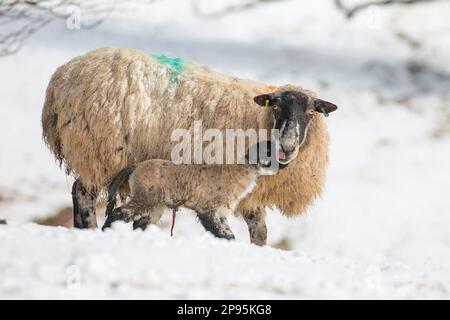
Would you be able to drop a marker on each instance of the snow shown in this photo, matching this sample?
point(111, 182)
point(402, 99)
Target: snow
point(125, 264)
point(381, 228)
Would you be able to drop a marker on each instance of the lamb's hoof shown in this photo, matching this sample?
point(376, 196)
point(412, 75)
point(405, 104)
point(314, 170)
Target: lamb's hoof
point(106, 225)
point(225, 235)
point(141, 223)
point(222, 234)
point(216, 225)
point(109, 221)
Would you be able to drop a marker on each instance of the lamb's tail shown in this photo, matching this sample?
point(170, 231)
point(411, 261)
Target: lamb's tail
point(114, 186)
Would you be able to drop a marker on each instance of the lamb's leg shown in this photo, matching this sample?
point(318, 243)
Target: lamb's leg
point(151, 217)
point(256, 222)
point(216, 224)
point(83, 206)
point(122, 213)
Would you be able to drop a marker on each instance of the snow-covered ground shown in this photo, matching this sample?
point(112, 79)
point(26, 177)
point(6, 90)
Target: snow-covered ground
point(51, 262)
point(382, 227)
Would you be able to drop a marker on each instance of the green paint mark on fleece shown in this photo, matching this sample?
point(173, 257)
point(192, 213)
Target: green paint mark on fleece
point(176, 65)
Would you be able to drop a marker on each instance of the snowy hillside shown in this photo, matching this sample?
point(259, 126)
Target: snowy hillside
point(382, 226)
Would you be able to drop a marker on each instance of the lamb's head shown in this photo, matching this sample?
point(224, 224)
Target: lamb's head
point(293, 112)
point(262, 156)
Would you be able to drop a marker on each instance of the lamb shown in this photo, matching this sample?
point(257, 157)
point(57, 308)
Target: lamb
point(113, 107)
point(207, 189)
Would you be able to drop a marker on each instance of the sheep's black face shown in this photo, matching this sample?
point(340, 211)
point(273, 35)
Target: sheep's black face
point(293, 112)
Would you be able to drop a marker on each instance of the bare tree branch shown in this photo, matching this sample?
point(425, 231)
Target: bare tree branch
point(228, 9)
point(19, 19)
point(350, 12)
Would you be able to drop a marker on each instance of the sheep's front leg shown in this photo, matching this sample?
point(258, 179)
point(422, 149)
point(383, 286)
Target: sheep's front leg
point(216, 224)
point(83, 206)
point(256, 222)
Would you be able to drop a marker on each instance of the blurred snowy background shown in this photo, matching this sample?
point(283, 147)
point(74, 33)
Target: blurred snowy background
point(382, 227)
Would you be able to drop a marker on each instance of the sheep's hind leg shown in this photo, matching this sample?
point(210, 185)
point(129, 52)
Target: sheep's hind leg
point(256, 222)
point(216, 224)
point(83, 206)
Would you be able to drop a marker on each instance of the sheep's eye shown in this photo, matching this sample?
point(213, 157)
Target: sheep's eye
point(276, 108)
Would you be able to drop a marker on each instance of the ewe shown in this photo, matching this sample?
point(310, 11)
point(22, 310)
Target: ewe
point(114, 107)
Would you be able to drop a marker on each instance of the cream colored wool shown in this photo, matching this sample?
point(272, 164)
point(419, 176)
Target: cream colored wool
point(114, 107)
point(161, 183)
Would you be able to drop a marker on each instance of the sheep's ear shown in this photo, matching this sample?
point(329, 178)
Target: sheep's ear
point(324, 107)
point(264, 100)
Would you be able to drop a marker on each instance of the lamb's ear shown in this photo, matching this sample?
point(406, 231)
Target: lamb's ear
point(324, 107)
point(264, 100)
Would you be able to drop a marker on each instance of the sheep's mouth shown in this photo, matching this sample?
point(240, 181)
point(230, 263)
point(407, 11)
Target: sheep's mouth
point(284, 157)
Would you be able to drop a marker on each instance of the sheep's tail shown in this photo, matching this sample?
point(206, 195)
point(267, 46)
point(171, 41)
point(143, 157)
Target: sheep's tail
point(114, 186)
